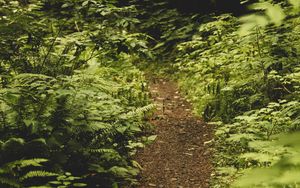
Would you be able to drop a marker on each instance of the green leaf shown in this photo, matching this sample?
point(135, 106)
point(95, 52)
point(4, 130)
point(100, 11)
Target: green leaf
point(152, 138)
point(55, 182)
point(80, 185)
point(295, 3)
point(65, 5)
point(85, 3)
point(275, 13)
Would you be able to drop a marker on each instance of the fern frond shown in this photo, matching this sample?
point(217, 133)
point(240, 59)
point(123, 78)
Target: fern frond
point(9, 182)
point(96, 126)
point(112, 153)
point(138, 111)
point(27, 78)
point(102, 151)
point(24, 163)
point(37, 173)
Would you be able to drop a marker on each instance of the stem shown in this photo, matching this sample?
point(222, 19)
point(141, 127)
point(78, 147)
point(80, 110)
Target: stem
point(50, 48)
point(260, 54)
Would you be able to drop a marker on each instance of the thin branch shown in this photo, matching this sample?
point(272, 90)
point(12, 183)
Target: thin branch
point(51, 47)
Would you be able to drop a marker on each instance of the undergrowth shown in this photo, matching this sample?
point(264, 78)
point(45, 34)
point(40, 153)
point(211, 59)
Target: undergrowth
point(72, 103)
point(242, 75)
point(250, 84)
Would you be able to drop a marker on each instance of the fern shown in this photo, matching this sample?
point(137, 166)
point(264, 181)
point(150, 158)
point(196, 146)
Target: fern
point(24, 163)
point(138, 112)
point(37, 173)
point(10, 182)
point(102, 151)
point(249, 83)
point(69, 84)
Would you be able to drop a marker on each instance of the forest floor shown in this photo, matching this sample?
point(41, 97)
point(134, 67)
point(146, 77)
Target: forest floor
point(179, 157)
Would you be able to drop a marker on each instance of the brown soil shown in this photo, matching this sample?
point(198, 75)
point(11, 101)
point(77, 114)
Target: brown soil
point(179, 157)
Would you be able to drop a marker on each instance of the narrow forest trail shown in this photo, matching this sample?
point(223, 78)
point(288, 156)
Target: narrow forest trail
point(178, 158)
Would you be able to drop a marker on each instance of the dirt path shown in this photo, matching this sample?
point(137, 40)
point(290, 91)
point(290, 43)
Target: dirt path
point(178, 158)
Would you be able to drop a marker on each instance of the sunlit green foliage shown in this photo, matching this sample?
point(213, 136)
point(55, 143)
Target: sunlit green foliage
point(285, 171)
point(273, 13)
point(249, 86)
point(72, 102)
point(70, 93)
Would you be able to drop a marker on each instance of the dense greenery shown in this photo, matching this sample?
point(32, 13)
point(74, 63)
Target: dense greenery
point(73, 102)
point(243, 74)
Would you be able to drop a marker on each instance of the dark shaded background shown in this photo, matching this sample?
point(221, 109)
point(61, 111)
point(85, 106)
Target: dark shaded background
point(207, 6)
point(199, 6)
